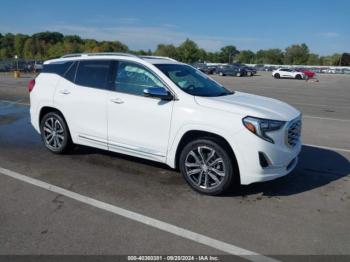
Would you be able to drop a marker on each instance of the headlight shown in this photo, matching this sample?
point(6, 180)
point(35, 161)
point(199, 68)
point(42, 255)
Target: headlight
point(261, 127)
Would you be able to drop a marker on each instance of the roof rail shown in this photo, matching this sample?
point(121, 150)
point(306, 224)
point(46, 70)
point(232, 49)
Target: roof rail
point(157, 57)
point(97, 54)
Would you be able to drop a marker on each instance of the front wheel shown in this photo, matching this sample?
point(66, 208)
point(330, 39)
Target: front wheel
point(221, 74)
point(277, 76)
point(207, 167)
point(238, 74)
point(55, 133)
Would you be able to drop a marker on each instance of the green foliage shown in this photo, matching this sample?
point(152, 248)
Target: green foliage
point(313, 59)
point(227, 54)
point(296, 54)
point(188, 51)
point(47, 45)
point(269, 56)
point(167, 51)
point(245, 57)
point(331, 60)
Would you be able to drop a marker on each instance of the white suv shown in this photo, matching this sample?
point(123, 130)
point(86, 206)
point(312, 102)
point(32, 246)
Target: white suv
point(287, 73)
point(163, 110)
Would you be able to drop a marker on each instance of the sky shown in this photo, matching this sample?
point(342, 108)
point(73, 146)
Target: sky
point(324, 25)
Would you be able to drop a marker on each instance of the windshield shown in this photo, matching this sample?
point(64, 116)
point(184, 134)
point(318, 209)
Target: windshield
point(192, 81)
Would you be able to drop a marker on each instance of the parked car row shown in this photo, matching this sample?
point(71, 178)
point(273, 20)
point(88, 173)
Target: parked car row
point(235, 69)
point(314, 70)
point(26, 66)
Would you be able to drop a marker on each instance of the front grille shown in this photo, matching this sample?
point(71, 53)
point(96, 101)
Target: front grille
point(293, 132)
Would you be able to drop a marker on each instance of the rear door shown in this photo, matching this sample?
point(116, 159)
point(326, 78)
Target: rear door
point(82, 97)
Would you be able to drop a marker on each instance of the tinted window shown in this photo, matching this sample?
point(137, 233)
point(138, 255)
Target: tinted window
point(193, 81)
point(58, 68)
point(70, 74)
point(92, 73)
point(132, 78)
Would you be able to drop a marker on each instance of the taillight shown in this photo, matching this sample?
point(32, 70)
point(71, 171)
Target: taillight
point(31, 85)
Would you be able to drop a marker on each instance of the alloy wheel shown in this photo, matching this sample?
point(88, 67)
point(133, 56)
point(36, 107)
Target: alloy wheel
point(53, 133)
point(205, 167)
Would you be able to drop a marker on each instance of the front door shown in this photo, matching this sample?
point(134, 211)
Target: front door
point(137, 125)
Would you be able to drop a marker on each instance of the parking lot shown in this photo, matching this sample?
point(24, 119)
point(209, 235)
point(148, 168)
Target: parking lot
point(304, 213)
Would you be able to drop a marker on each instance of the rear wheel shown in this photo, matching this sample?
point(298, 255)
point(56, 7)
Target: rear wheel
point(277, 75)
point(249, 74)
point(238, 74)
point(55, 133)
point(298, 77)
point(221, 74)
point(207, 167)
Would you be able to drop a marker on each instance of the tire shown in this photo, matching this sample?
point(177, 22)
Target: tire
point(207, 166)
point(298, 77)
point(60, 142)
point(238, 74)
point(221, 74)
point(249, 74)
point(277, 76)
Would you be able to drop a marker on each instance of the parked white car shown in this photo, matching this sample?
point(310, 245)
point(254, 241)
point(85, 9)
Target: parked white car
point(163, 110)
point(287, 73)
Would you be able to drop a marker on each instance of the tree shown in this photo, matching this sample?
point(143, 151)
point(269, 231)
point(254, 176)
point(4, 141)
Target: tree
point(331, 60)
point(313, 59)
point(19, 44)
point(188, 51)
point(7, 46)
point(227, 53)
point(89, 45)
point(246, 57)
point(296, 54)
point(167, 51)
point(28, 49)
point(56, 50)
point(270, 56)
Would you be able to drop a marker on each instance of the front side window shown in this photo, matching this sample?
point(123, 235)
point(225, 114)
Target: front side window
point(132, 78)
point(93, 73)
point(192, 81)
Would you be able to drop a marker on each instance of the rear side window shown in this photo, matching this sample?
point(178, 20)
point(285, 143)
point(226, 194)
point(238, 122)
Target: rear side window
point(93, 73)
point(59, 68)
point(70, 74)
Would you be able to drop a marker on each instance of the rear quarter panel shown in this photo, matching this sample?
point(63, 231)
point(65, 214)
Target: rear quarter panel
point(42, 95)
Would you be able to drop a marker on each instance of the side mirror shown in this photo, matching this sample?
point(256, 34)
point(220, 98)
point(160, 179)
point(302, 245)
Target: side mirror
point(158, 92)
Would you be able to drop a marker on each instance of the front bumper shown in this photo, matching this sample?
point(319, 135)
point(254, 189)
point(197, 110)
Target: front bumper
point(281, 158)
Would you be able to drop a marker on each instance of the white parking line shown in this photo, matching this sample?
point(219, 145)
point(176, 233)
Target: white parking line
point(330, 148)
point(184, 233)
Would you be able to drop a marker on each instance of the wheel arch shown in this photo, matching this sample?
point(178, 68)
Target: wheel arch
point(191, 135)
point(47, 109)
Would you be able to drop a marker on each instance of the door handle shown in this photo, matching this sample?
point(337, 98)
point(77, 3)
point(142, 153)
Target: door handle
point(117, 100)
point(64, 92)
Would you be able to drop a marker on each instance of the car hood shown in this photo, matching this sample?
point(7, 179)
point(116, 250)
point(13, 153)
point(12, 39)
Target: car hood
point(246, 104)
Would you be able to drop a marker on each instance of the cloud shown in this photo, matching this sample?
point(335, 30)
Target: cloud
point(148, 37)
point(328, 34)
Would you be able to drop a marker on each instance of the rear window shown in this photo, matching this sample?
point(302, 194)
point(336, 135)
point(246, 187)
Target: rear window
point(59, 68)
point(93, 73)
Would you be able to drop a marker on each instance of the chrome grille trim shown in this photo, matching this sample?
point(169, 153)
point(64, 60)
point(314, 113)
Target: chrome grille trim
point(293, 132)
